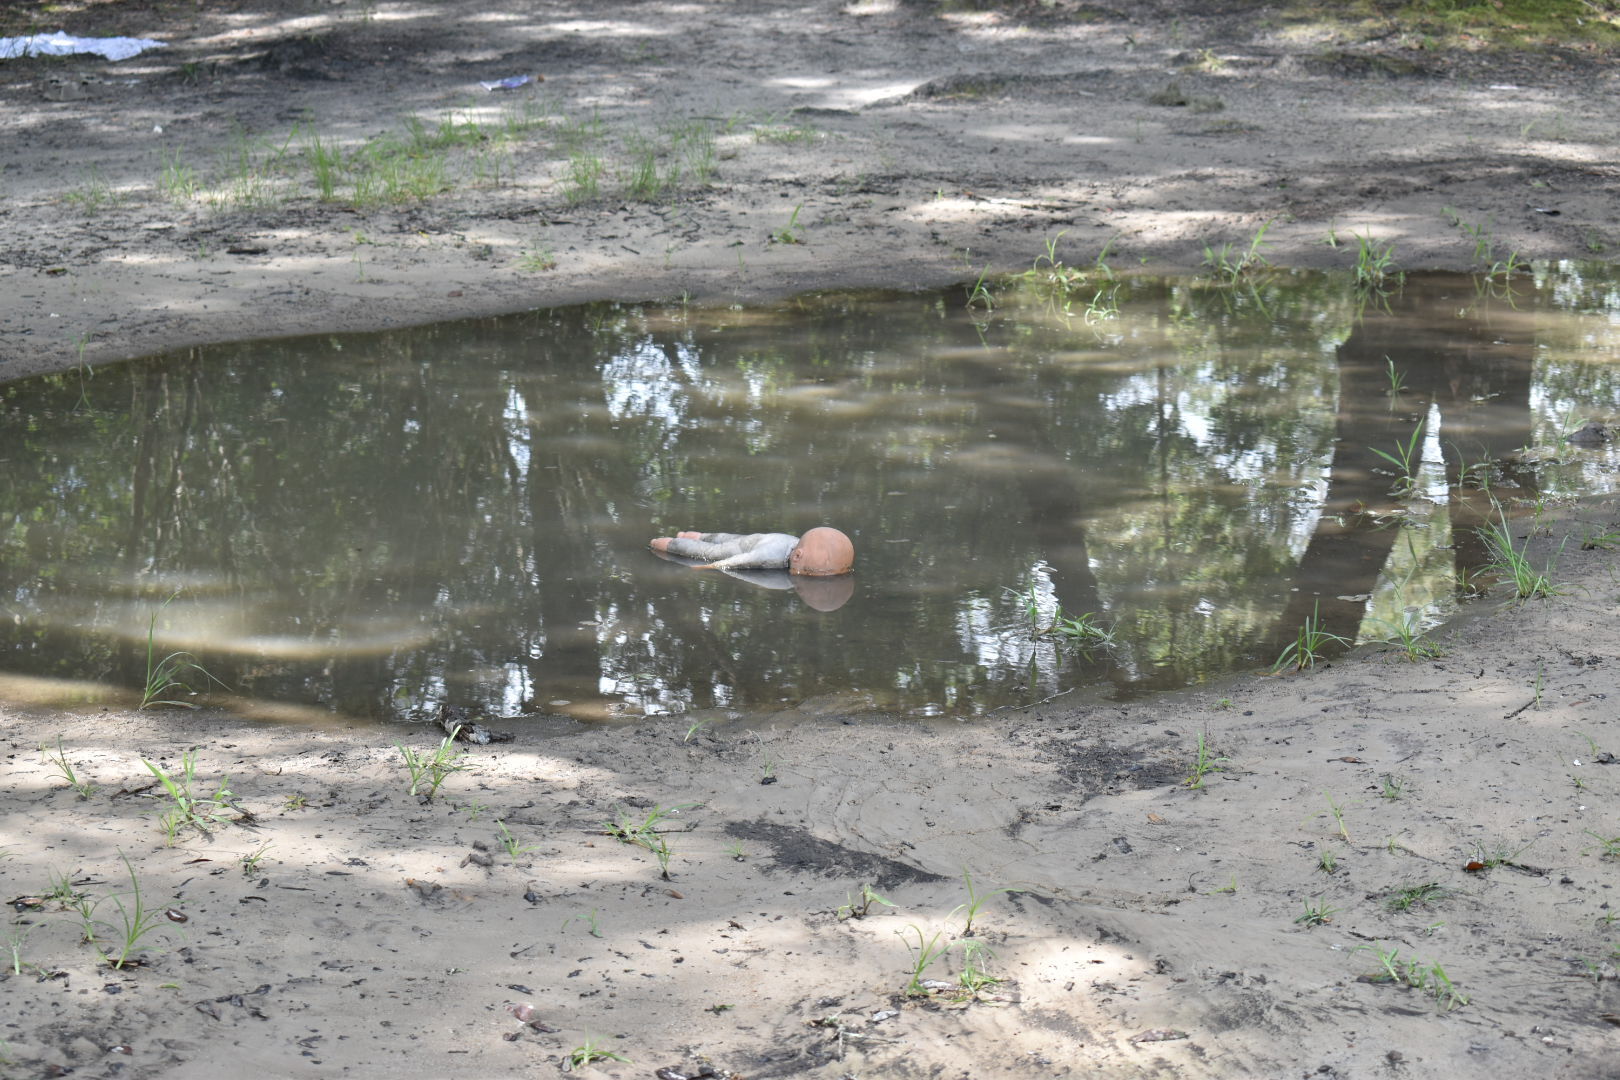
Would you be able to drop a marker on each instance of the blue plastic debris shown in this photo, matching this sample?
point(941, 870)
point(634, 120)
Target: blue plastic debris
point(511, 82)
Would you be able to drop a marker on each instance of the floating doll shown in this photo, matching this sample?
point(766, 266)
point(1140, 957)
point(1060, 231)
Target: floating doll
point(821, 552)
point(815, 565)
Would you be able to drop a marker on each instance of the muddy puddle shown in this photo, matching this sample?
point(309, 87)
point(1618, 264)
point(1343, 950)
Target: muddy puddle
point(369, 525)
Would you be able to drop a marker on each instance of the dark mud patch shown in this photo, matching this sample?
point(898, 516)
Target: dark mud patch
point(1090, 765)
point(796, 849)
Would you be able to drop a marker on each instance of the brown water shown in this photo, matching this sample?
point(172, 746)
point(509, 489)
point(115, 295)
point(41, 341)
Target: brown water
point(374, 524)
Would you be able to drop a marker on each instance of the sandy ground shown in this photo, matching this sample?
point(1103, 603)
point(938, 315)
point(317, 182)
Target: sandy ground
point(334, 923)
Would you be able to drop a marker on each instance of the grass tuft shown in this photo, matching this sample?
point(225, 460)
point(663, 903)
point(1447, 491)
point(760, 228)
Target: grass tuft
point(975, 901)
point(1416, 974)
point(1409, 635)
point(588, 1053)
point(644, 833)
point(1375, 264)
point(792, 232)
point(429, 771)
point(510, 843)
point(133, 926)
point(1316, 914)
point(859, 909)
point(1408, 897)
point(164, 676)
point(64, 770)
point(1513, 563)
point(1203, 764)
point(1407, 459)
point(188, 809)
point(924, 954)
point(1307, 647)
point(1231, 264)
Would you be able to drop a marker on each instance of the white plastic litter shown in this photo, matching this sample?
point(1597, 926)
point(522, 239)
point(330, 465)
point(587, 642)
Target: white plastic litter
point(62, 44)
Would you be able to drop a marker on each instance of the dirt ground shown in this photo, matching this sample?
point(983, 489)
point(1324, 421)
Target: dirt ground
point(1454, 823)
